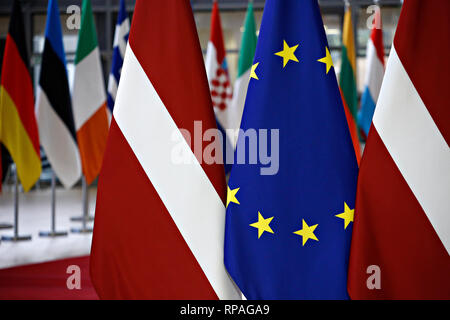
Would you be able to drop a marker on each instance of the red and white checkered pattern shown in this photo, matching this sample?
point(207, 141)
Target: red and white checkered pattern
point(221, 90)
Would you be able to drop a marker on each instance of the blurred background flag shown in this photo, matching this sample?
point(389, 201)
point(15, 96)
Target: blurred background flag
point(119, 46)
point(246, 54)
point(217, 69)
point(18, 127)
point(374, 75)
point(219, 80)
point(54, 106)
point(162, 236)
point(347, 78)
point(287, 235)
point(402, 221)
point(89, 97)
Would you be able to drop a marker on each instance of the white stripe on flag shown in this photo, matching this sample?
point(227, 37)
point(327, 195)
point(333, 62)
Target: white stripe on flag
point(119, 36)
point(112, 86)
point(375, 71)
point(58, 143)
point(185, 189)
point(416, 145)
point(88, 88)
point(236, 107)
point(211, 63)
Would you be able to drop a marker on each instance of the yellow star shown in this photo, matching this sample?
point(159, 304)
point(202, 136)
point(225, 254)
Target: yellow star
point(327, 60)
point(262, 225)
point(307, 232)
point(252, 71)
point(287, 53)
point(231, 196)
point(347, 215)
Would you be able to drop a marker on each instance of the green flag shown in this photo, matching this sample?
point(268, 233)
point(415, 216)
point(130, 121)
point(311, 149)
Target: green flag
point(246, 54)
point(89, 97)
point(347, 79)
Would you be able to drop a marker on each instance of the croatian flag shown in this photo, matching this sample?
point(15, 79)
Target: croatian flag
point(120, 44)
point(217, 70)
point(374, 75)
point(219, 81)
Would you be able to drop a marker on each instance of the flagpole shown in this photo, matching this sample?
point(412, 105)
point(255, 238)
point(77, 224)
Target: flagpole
point(53, 233)
point(4, 226)
point(16, 237)
point(85, 218)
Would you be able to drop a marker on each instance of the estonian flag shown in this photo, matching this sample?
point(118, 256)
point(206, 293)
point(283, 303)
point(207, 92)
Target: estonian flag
point(54, 106)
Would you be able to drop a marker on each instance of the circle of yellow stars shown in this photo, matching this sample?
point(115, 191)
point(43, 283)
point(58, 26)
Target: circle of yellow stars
point(306, 232)
point(288, 54)
point(263, 224)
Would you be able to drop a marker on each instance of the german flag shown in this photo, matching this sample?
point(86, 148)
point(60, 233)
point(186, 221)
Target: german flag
point(18, 127)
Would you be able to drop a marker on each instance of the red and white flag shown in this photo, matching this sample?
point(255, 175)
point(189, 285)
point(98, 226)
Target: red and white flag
point(159, 225)
point(401, 236)
point(217, 70)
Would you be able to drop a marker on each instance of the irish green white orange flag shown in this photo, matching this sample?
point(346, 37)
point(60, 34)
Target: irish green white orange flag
point(89, 97)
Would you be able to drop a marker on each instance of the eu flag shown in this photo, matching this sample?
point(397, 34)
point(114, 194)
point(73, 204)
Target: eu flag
point(289, 222)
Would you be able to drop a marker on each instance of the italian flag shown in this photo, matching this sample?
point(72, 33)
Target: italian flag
point(89, 98)
point(347, 79)
point(246, 54)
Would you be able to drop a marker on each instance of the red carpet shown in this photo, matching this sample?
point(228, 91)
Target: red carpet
point(46, 281)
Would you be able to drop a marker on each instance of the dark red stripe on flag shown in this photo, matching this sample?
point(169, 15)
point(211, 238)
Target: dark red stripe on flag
point(377, 37)
point(170, 54)
point(422, 44)
point(393, 232)
point(16, 80)
point(216, 36)
point(141, 253)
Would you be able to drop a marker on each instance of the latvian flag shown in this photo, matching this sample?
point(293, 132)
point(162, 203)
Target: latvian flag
point(18, 127)
point(402, 215)
point(54, 106)
point(89, 97)
point(159, 225)
point(374, 75)
point(119, 46)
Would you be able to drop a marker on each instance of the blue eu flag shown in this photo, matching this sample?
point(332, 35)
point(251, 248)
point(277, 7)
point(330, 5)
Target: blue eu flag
point(289, 222)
